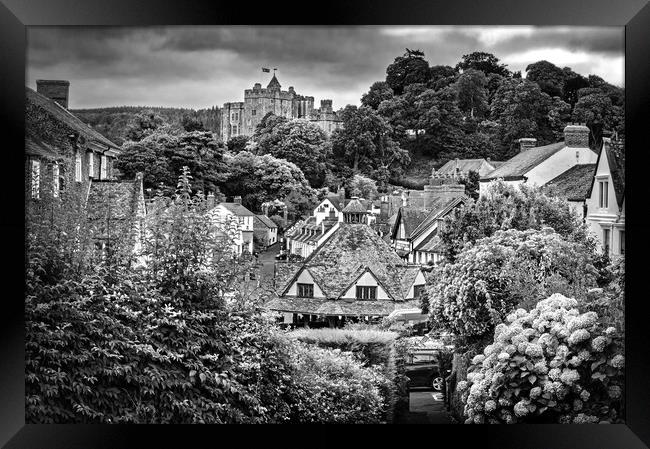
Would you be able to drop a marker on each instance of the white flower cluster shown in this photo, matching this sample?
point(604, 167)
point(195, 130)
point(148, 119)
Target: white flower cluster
point(543, 351)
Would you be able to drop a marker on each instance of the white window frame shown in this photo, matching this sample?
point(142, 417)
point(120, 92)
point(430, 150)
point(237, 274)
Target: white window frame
point(78, 167)
point(56, 183)
point(603, 194)
point(36, 178)
point(103, 168)
point(91, 164)
point(607, 236)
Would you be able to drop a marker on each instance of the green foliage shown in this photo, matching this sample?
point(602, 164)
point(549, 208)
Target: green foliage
point(523, 110)
point(191, 122)
point(379, 91)
point(333, 387)
point(265, 178)
point(410, 68)
point(373, 348)
point(550, 78)
point(297, 141)
point(497, 274)
point(596, 108)
point(108, 341)
point(143, 124)
point(161, 155)
point(507, 207)
point(365, 143)
point(237, 144)
point(553, 364)
point(472, 93)
point(363, 187)
point(485, 62)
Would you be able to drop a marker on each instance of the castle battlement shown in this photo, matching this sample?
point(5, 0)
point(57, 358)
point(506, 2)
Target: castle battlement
point(242, 118)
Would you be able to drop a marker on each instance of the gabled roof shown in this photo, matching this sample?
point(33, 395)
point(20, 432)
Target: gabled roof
point(573, 184)
point(355, 205)
point(345, 255)
point(615, 153)
point(334, 199)
point(263, 220)
point(410, 217)
point(464, 165)
point(68, 118)
point(416, 220)
point(525, 161)
point(431, 244)
point(439, 209)
point(237, 209)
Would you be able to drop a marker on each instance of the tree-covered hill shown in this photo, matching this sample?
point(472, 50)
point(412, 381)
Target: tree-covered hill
point(113, 122)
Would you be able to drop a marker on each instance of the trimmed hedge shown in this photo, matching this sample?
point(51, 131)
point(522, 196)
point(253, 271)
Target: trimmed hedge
point(374, 348)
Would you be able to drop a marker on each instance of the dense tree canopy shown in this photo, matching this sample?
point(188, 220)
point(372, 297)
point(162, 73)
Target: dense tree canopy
point(485, 62)
point(365, 143)
point(297, 141)
point(161, 155)
point(410, 68)
point(379, 91)
point(264, 178)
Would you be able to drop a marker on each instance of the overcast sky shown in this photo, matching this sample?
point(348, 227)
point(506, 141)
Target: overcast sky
point(202, 66)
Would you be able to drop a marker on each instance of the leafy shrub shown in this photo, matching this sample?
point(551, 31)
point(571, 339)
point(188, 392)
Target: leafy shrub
point(510, 269)
point(372, 347)
point(505, 207)
point(552, 364)
point(107, 342)
point(332, 386)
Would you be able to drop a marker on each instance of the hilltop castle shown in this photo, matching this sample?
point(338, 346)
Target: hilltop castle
point(241, 118)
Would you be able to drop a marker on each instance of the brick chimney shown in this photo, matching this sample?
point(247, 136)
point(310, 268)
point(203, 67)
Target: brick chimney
point(442, 186)
point(576, 135)
point(526, 143)
point(56, 90)
point(237, 199)
point(210, 200)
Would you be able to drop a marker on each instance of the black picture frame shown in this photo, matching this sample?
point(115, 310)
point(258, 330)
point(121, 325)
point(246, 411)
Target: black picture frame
point(16, 15)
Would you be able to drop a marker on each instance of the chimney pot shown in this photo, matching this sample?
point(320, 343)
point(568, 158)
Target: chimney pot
point(526, 143)
point(56, 90)
point(210, 200)
point(237, 199)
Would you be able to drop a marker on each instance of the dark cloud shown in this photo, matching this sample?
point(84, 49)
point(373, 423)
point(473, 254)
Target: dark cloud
point(200, 66)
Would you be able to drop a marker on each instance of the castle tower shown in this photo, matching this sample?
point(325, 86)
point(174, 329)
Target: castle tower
point(274, 84)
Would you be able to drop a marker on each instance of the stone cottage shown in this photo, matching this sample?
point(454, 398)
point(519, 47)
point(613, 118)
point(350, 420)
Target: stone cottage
point(67, 160)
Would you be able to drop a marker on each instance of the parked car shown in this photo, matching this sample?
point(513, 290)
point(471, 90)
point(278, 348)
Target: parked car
point(423, 370)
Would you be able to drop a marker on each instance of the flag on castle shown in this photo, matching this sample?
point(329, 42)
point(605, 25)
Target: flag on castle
point(264, 69)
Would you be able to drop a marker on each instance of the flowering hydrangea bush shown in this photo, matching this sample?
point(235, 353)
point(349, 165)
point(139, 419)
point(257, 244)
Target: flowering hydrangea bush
point(499, 273)
point(552, 364)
